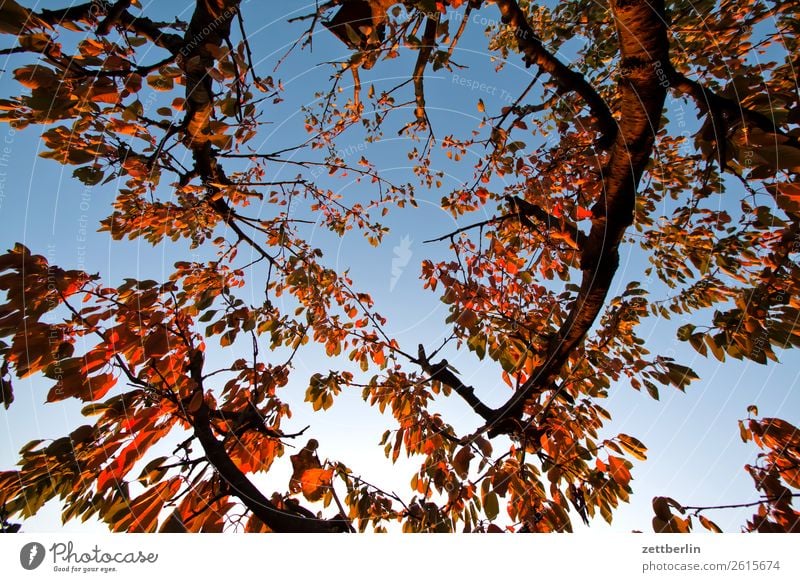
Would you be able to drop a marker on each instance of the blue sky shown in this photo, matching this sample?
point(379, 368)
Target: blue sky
point(695, 453)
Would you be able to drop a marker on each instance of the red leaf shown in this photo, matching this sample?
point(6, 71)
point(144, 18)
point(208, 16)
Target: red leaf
point(619, 471)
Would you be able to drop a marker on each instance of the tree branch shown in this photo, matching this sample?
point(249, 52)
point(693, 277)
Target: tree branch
point(276, 519)
point(534, 52)
point(524, 209)
point(90, 11)
point(725, 112)
point(71, 14)
point(425, 49)
point(697, 509)
point(440, 372)
point(112, 17)
point(151, 30)
point(644, 50)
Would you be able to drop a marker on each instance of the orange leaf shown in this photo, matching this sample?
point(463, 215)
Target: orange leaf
point(95, 387)
point(709, 525)
point(94, 360)
point(791, 191)
point(314, 483)
point(125, 459)
point(144, 510)
point(302, 462)
point(619, 471)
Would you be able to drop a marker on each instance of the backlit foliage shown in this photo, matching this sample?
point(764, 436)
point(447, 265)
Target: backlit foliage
point(586, 160)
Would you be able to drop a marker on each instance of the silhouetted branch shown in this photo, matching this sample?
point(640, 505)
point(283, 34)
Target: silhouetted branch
point(534, 52)
point(695, 510)
point(440, 372)
point(425, 49)
point(643, 46)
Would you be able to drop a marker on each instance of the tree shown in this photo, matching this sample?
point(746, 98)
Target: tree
point(584, 161)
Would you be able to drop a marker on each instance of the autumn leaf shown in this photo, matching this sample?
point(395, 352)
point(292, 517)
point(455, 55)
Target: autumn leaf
point(461, 461)
point(36, 77)
point(661, 507)
point(303, 461)
point(315, 482)
point(619, 470)
point(709, 525)
point(491, 505)
point(633, 446)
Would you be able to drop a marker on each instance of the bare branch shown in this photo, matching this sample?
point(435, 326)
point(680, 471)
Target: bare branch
point(697, 509)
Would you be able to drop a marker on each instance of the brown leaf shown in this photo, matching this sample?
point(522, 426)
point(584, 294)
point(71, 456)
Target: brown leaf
point(301, 462)
point(661, 508)
point(709, 525)
point(619, 470)
point(461, 461)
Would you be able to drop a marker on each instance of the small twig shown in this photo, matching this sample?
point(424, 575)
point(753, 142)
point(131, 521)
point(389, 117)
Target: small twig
point(697, 509)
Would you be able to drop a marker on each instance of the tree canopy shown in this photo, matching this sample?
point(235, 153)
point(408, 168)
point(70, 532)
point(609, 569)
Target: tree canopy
point(188, 383)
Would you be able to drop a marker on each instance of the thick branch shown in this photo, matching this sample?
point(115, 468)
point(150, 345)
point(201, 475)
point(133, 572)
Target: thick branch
point(113, 16)
point(209, 27)
point(724, 111)
point(440, 372)
point(71, 14)
point(117, 14)
point(425, 49)
point(535, 53)
point(151, 30)
point(644, 50)
point(276, 519)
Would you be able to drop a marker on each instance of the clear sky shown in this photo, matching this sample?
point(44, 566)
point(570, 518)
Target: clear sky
point(695, 453)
